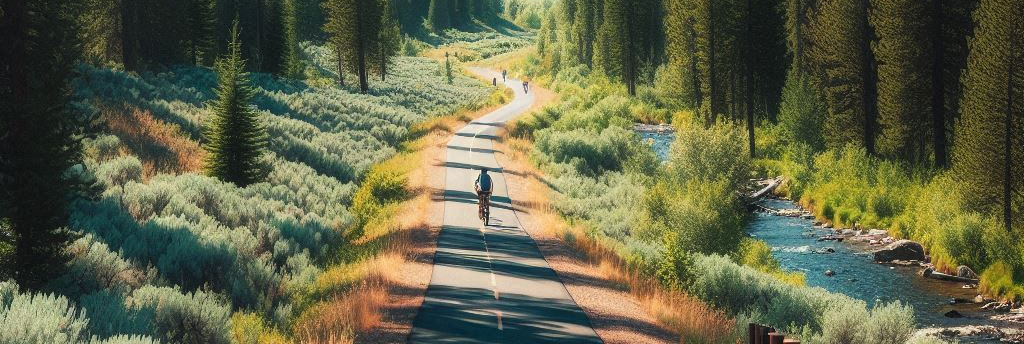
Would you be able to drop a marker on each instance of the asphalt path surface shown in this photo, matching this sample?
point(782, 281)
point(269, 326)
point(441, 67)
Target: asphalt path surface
point(491, 284)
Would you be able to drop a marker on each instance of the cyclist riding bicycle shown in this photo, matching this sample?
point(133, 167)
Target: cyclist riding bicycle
point(484, 186)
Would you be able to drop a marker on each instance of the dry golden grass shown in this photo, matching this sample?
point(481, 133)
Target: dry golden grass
point(338, 320)
point(675, 310)
point(162, 147)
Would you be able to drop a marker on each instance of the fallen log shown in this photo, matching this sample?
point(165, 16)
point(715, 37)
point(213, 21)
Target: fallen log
point(930, 273)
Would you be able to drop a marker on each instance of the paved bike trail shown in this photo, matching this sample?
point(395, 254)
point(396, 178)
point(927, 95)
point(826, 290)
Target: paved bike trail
point(491, 284)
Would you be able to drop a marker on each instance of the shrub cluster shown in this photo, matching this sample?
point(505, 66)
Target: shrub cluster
point(172, 255)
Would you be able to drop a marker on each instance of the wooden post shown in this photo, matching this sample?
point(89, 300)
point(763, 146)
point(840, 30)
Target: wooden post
point(776, 338)
point(764, 338)
point(752, 333)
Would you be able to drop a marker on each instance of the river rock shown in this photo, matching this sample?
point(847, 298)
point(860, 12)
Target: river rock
point(878, 232)
point(900, 250)
point(953, 314)
point(830, 273)
point(827, 225)
point(965, 272)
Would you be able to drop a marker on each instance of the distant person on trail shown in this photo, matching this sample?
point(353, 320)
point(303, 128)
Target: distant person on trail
point(495, 82)
point(484, 186)
point(526, 86)
point(504, 75)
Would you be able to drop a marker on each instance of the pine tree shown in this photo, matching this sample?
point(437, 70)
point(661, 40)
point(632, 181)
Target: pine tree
point(681, 51)
point(274, 42)
point(236, 138)
point(797, 36)
point(988, 153)
point(39, 133)
point(101, 31)
point(584, 30)
point(292, 66)
point(438, 15)
point(389, 39)
point(200, 35)
point(354, 27)
point(310, 28)
point(629, 39)
point(904, 58)
point(841, 40)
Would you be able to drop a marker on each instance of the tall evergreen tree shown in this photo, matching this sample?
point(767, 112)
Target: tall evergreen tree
point(100, 25)
point(354, 27)
point(988, 159)
point(841, 46)
point(439, 15)
point(584, 29)
point(310, 27)
point(236, 138)
point(903, 51)
point(275, 44)
point(681, 50)
point(389, 41)
point(292, 65)
point(629, 39)
point(199, 36)
point(39, 132)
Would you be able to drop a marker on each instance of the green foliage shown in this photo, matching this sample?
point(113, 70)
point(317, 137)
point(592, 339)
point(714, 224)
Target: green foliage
point(39, 318)
point(185, 318)
point(988, 156)
point(236, 137)
point(827, 317)
point(292, 65)
point(438, 15)
point(251, 248)
point(40, 132)
point(904, 52)
point(379, 189)
point(841, 38)
point(801, 115)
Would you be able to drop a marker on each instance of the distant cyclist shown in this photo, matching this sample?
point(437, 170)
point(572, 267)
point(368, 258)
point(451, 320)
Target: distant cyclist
point(484, 186)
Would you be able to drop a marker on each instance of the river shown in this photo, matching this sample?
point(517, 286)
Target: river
point(794, 242)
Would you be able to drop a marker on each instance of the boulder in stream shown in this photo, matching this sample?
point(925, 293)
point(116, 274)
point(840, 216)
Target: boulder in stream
point(953, 314)
point(900, 250)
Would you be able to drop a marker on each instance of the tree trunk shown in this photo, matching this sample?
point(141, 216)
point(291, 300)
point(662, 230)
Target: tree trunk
point(938, 84)
point(129, 40)
point(868, 75)
point(712, 82)
point(749, 70)
point(341, 66)
point(1008, 144)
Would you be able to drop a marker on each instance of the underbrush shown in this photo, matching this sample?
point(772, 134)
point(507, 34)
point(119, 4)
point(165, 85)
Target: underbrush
point(681, 224)
point(168, 254)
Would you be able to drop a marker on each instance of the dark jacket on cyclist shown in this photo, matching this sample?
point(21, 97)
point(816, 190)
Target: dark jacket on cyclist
point(483, 183)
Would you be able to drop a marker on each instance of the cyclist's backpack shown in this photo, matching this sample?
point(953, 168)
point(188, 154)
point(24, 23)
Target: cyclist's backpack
point(485, 182)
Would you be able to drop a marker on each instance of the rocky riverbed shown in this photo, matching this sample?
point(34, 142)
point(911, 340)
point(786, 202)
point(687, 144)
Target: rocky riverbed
point(844, 260)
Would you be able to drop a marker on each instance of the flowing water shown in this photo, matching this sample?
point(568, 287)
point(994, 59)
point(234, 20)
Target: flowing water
point(794, 242)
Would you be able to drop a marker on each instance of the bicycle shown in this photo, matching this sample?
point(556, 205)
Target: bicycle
point(485, 207)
